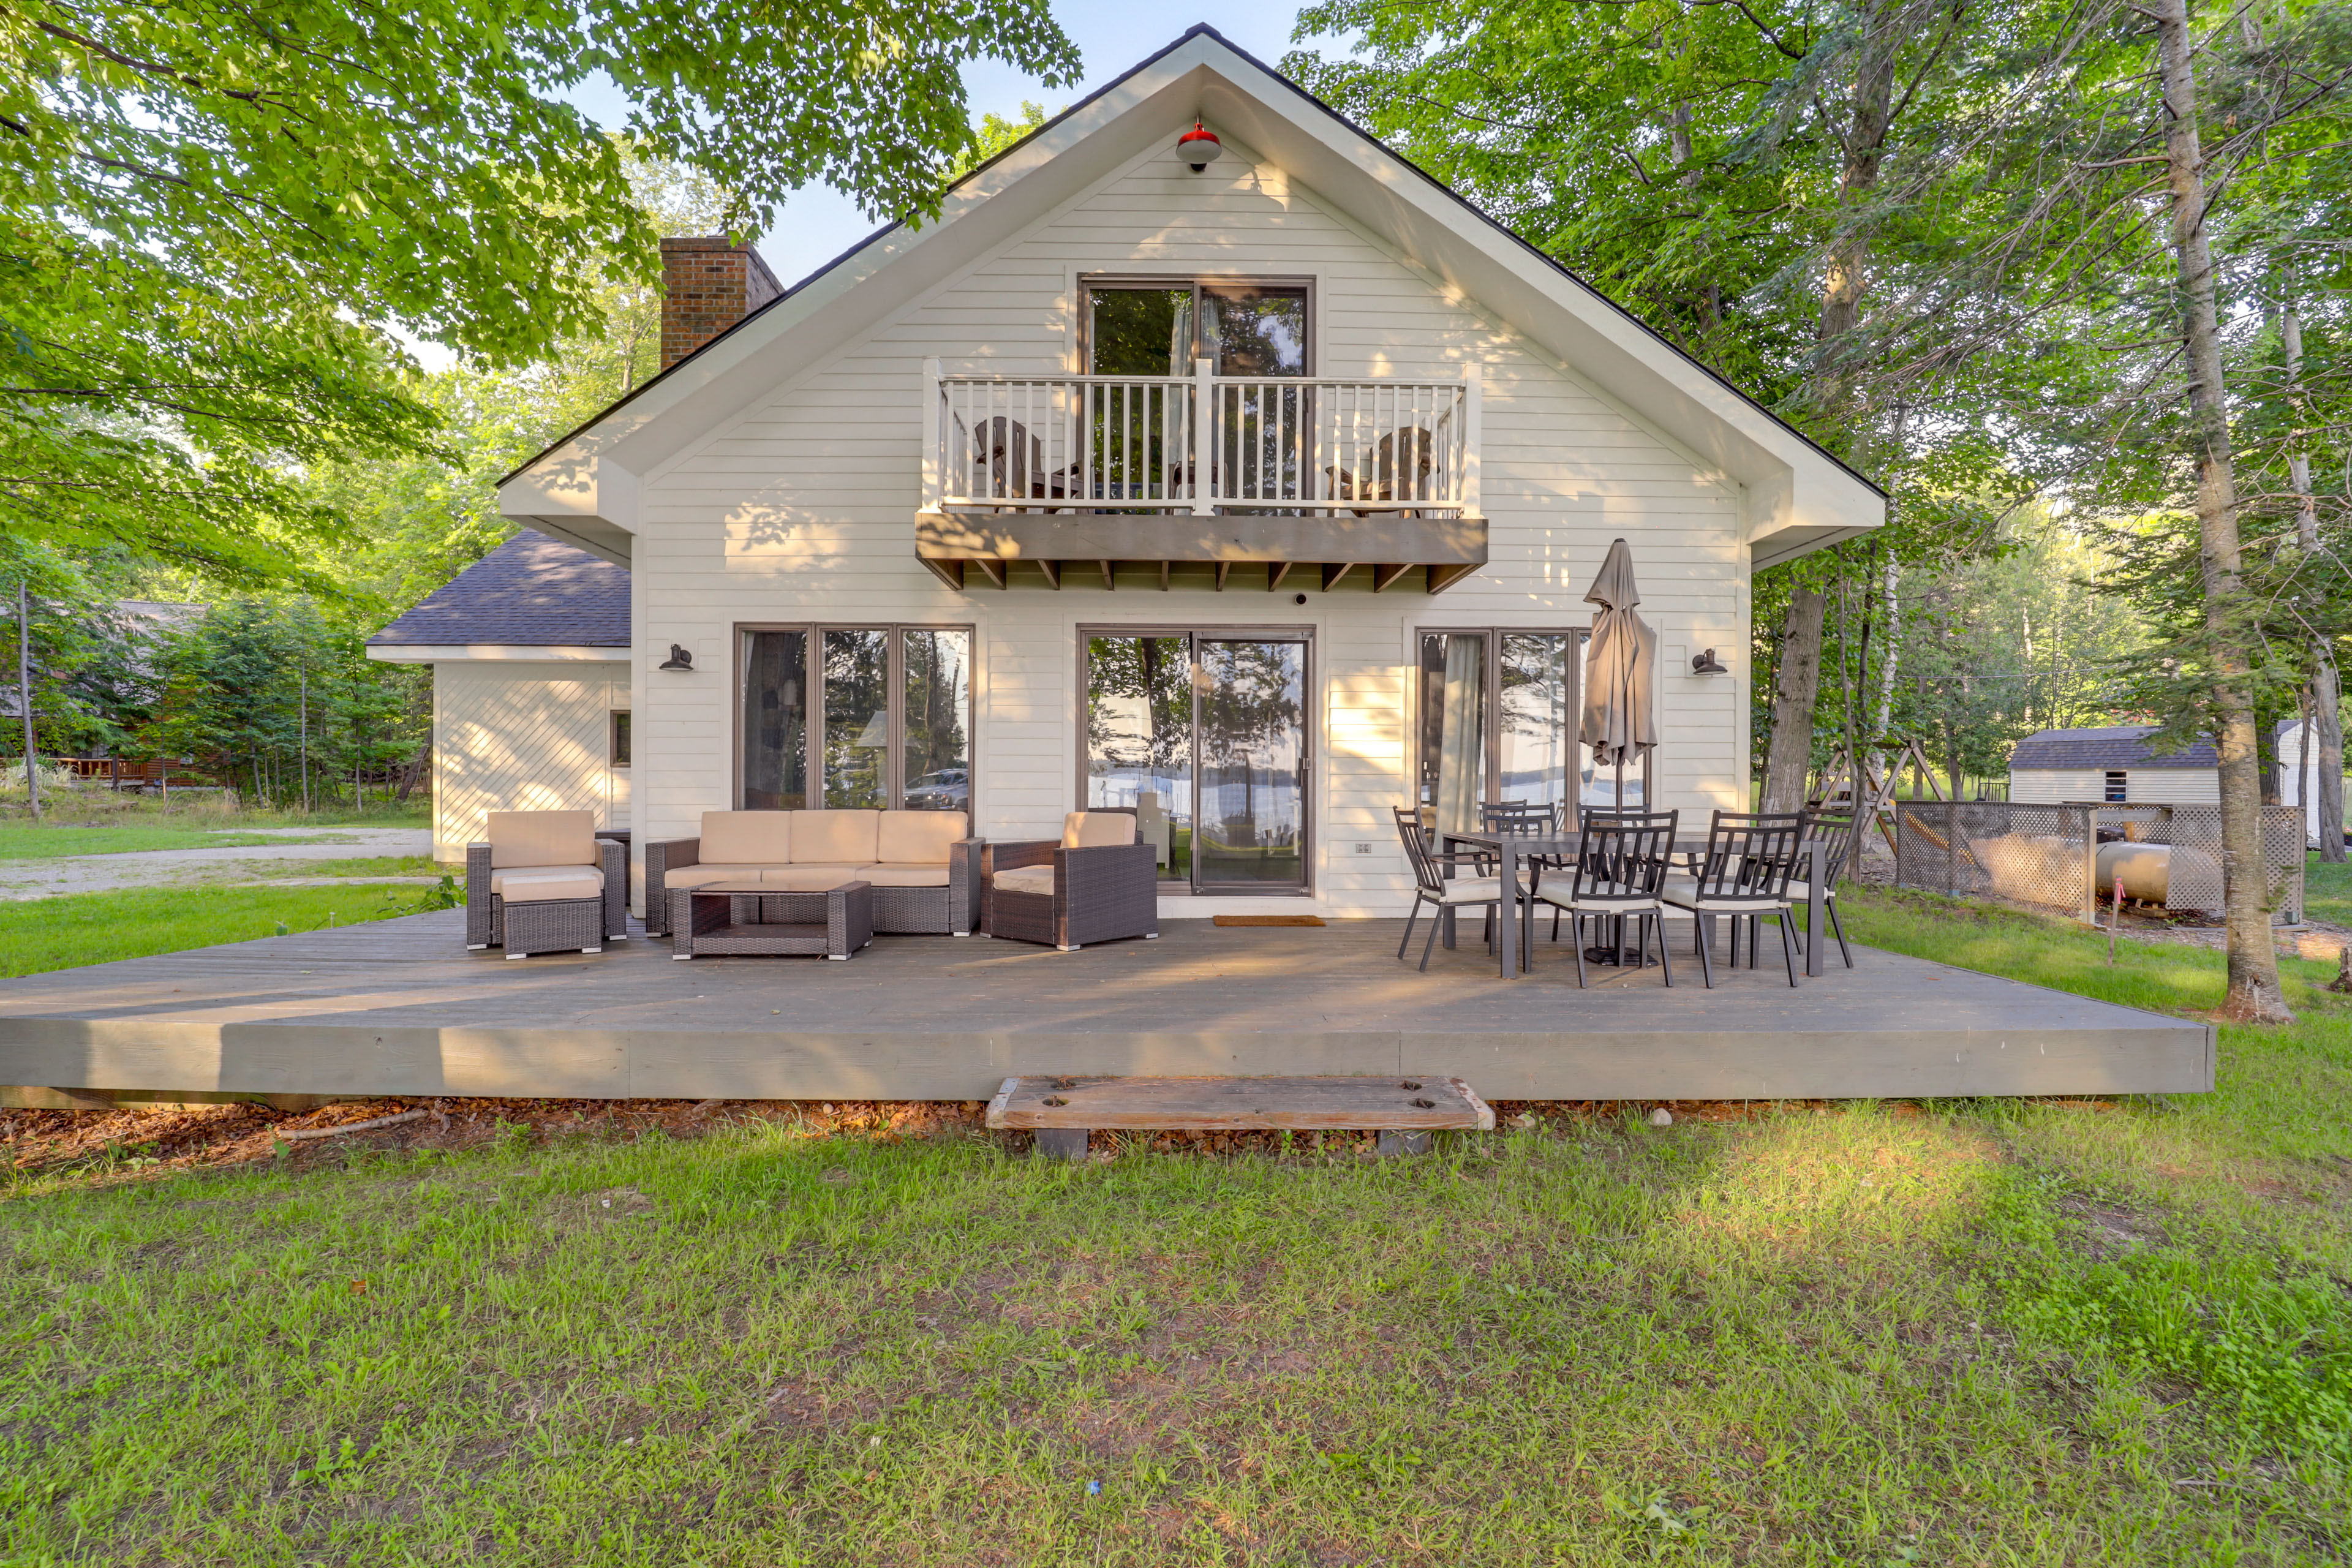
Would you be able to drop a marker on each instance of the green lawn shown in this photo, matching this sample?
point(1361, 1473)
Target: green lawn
point(1970, 1333)
point(73, 929)
point(24, 842)
point(366, 866)
point(2327, 890)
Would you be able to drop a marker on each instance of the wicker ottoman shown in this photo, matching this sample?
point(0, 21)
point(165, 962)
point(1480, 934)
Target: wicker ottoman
point(728, 918)
point(554, 925)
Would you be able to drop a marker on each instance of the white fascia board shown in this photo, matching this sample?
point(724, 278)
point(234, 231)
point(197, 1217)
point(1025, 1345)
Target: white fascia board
point(503, 653)
point(1798, 498)
point(580, 495)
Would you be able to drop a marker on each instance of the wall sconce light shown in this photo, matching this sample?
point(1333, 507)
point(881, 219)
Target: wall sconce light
point(1199, 147)
point(678, 658)
point(1706, 663)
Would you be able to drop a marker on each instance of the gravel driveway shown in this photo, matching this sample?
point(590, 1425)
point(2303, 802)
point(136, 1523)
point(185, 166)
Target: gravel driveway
point(172, 868)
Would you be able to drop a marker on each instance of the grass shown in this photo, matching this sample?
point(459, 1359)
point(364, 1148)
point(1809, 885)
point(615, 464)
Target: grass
point(61, 933)
point(2327, 890)
point(367, 865)
point(27, 843)
point(1983, 1333)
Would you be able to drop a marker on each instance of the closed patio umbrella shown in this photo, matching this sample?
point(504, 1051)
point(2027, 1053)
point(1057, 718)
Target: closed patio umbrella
point(1619, 669)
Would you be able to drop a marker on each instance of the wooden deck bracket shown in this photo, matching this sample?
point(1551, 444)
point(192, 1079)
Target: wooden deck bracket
point(1053, 570)
point(1335, 570)
point(1223, 568)
point(1384, 576)
point(993, 570)
point(1276, 573)
point(1110, 580)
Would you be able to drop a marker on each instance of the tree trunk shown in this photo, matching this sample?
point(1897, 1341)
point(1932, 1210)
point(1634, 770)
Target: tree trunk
point(1844, 277)
point(2325, 734)
point(24, 697)
point(2254, 993)
point(414, 770)
point(1797, 683)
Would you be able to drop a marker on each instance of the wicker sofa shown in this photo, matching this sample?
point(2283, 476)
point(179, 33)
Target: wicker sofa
point(924, 871)
point(549, 875)
point(1099, 883)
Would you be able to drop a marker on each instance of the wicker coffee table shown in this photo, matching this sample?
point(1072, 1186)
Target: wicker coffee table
point(729, 919)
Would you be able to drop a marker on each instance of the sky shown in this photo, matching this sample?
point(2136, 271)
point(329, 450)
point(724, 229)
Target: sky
point(1112, 36)
point(818, 223)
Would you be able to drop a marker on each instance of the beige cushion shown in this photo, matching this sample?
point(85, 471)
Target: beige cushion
point(811, 879)
point(537, 884)
point(703, 876)
point(746, 837)
point(1472, 891)
point(933, 874)
point(917, 839)
point(541, 838)
point(1097, 829)
point(834, 837)
point(1025, 879)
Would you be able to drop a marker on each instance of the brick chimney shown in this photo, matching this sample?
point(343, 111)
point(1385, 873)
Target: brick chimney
point(708, 285)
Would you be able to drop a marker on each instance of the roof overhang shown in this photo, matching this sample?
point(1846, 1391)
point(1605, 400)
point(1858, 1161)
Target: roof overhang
point(493, 652)
point(1798, 498)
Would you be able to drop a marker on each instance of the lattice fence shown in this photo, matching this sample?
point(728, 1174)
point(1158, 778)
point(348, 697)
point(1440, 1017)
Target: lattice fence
point(2033, 853)
point(2046, 855)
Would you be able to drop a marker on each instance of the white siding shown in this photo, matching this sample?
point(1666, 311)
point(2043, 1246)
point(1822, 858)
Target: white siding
point(802, 511)
point(2173, 786)
point(2142, 786)
point(524, 737)
point(2050, 786)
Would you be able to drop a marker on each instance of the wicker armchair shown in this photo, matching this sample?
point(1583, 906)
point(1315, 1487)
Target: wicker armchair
point(1101, 883)
point(543, 882)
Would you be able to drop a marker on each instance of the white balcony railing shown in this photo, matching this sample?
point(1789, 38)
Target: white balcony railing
point(1201, 445)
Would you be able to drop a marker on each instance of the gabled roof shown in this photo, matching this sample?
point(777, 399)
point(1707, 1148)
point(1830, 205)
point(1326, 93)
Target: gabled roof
point(2118, 746)
point(1799, 497)
point(530, 592)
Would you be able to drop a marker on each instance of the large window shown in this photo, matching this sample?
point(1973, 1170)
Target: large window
point(1497, 721)
point(856, 716)
point(1159, 327)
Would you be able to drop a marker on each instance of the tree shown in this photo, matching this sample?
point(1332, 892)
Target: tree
point(995, 134)
point(216, 215)
point(1764, 183)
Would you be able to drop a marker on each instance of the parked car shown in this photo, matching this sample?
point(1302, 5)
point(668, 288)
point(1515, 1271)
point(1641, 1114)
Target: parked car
point(950, 789)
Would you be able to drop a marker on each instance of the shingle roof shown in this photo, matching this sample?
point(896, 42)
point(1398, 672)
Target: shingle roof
point(531, 591)
point(2118, 746)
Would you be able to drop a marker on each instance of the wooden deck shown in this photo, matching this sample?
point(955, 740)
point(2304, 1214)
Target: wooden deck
point(399, 1007)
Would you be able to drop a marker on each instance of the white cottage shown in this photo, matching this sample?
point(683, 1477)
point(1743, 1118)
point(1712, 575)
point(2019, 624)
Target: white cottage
point(1255, 482)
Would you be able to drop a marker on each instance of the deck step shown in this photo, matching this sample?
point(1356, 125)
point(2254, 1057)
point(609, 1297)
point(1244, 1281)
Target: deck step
point(1403, 1104)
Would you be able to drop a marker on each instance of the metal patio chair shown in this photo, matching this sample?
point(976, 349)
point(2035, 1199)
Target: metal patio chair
point(1836, 834)
point(1432, 886)
point(1619, 873)
point(1744, 875)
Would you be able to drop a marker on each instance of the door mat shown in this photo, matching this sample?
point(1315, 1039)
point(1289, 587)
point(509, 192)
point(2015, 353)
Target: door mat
point(1267, 920)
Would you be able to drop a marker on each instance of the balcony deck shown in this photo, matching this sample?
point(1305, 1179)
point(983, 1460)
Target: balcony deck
point(399, 1007)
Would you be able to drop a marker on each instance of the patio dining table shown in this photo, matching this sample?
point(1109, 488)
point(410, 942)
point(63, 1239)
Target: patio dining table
point(1517, 935)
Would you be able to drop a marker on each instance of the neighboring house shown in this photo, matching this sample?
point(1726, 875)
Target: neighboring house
point(2114, 765)
point(1265, 495)
point(2291, 778)
point(530, 650)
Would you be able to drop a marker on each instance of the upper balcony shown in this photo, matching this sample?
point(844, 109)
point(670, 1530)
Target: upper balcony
point(1372, 476)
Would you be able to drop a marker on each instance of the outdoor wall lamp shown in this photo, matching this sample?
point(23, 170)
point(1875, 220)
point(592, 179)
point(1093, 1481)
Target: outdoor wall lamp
point(1199, 147)
point(1706, 663)
point(678, 658)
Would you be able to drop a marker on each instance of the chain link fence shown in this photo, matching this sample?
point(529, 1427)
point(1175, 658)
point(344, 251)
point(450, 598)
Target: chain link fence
point(2047, 854)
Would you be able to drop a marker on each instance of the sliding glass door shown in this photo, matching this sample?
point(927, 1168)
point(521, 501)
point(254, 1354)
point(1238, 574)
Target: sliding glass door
point(1497, 721)
point(1205, 736)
